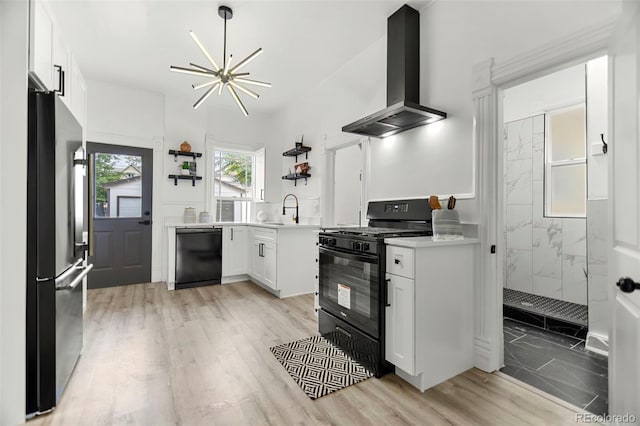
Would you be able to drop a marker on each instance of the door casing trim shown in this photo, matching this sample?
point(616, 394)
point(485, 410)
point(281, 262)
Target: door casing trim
point(489, 80)
point(156, 144)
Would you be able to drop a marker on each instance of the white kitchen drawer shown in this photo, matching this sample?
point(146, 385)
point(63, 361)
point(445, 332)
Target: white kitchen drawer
point(265, 234)
point(400, 261)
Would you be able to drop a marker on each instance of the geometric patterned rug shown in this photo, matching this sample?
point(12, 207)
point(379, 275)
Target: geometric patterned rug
point(319, 367)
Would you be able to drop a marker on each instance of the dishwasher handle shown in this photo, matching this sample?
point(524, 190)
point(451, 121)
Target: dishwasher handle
point(199, 231)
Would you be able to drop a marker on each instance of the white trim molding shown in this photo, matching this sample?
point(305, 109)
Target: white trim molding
point(489, 79)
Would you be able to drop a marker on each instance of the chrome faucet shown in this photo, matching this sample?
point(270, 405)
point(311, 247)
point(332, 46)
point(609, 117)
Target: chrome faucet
point(284, 209)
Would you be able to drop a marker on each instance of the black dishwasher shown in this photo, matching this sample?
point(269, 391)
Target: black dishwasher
point(198, 257)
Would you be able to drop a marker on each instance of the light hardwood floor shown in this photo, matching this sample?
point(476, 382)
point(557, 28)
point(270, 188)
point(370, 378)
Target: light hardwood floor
point(201, 357)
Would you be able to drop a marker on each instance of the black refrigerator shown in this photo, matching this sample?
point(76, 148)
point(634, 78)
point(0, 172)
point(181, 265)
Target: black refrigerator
point(55, 249)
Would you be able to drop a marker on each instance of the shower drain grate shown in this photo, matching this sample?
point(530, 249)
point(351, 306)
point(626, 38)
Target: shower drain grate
point(552, 308)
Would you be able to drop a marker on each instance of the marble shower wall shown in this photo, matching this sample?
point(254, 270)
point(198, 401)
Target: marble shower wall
point(545, 256)
point(597, 260)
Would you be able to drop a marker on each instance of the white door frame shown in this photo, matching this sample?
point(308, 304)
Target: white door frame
point(154, 143)
point(489, 80)
point(331, 146)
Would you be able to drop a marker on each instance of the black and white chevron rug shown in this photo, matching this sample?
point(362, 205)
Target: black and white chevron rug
point(319, 367)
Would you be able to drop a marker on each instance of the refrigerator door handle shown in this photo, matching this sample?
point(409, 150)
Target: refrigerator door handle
point(66, 274)
point(77, 280)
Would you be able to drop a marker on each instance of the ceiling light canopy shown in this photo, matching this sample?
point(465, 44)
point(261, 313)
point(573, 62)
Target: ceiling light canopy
point(225, 76)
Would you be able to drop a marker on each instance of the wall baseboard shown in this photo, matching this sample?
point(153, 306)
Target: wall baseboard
point(156, 274)
point(483, 354)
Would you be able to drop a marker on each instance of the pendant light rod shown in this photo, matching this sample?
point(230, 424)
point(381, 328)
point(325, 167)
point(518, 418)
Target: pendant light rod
point(225, 13)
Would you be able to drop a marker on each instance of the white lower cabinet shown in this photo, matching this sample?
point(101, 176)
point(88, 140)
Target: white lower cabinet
point(264, 262)
point(282, 258)
point(429, 329)
point(234, 250)
point(400, 322)
point(269, 255)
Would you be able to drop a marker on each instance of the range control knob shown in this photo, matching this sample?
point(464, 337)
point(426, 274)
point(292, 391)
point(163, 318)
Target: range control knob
point(365, 247)
point(356, 245)
point(332, 241)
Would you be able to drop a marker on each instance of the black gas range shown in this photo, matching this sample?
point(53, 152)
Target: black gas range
point(352, 277)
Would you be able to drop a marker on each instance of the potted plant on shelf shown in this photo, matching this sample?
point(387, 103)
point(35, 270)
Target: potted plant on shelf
point(185, 168)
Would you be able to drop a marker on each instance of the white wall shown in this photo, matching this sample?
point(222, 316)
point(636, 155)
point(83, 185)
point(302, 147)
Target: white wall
point(122, 110)
point(553, 91)
point(439, 158)
point(13, 209)
point(130, 116)
point(597, 118)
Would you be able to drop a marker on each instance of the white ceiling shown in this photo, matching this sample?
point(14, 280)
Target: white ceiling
point(134, 42)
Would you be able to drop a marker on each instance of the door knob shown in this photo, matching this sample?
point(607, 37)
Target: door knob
point(627, 285)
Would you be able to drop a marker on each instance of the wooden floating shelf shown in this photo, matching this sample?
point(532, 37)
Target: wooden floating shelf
point(298, 151)
point(193, 179)
point(295, 177)
point(184, 154)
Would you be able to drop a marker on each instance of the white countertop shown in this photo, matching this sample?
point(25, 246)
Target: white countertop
point(262, 225)
point(417, 242)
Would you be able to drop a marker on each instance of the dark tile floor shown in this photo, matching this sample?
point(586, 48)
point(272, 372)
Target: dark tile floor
point(556, 364)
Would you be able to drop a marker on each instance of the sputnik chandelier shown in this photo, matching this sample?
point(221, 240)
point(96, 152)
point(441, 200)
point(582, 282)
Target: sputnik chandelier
point(225, 76)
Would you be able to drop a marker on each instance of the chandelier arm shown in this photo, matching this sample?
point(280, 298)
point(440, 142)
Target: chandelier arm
point(208, 83)
point(220, 88)
point(249, 92)
point(246, 60)
point(201, 68)
point(192, 71)
point(254, 82)
point(204, 51)
point(205, 96)
point(227, 65)
point(240, 74)
point(237, 99)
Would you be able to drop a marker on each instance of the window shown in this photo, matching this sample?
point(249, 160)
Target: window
point(565, 163)
point(118, 185)
point(233, 185)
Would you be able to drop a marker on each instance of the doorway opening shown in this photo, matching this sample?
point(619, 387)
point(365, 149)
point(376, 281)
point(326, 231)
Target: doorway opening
point(120, 219)
point(555, 214)
point(348, 186)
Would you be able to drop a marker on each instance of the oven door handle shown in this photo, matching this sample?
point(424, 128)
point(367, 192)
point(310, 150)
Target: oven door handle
point(351, 256)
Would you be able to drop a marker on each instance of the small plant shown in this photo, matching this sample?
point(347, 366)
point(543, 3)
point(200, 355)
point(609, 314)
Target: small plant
point(185, 168)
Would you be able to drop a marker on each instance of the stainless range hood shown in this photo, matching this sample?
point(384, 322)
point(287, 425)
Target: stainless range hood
point(403, 111)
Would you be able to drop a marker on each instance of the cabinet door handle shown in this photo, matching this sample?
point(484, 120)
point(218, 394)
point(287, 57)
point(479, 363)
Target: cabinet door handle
point(396, 261)
point(231, 234)
point(60, 80)
point(386, 292)
point(262, 194)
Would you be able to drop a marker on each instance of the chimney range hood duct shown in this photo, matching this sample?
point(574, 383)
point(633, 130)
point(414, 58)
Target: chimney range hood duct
point(403, 111)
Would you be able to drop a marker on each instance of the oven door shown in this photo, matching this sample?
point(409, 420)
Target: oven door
point(350, 288)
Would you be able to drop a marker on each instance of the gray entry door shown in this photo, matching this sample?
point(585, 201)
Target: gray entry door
point(120, 216)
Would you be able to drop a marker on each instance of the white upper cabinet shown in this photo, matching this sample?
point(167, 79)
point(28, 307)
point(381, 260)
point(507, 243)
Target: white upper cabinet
point(41, 45)
point(61, 60)
point(52, 64)
point(78, 93)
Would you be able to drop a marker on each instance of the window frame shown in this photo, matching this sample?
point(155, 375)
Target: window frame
point(246, 201)
point(550, 164)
